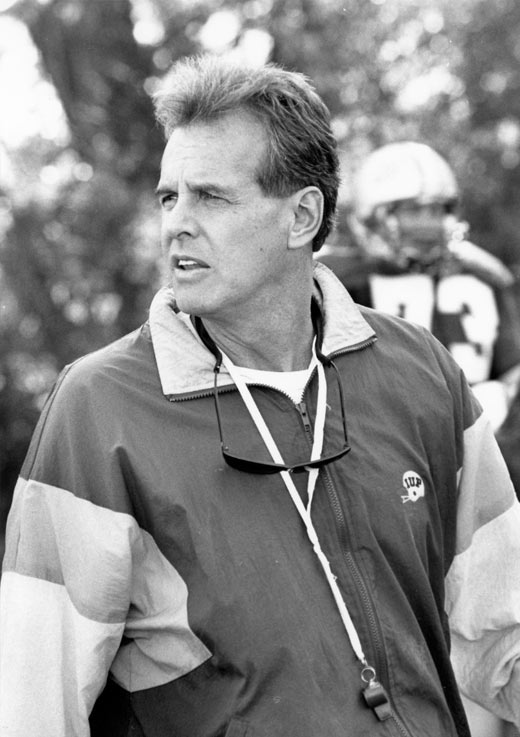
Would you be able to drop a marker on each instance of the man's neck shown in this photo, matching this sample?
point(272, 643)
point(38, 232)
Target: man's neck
point(275, 345)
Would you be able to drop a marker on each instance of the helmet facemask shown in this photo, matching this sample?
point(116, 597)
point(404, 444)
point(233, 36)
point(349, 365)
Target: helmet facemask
point(417, 232)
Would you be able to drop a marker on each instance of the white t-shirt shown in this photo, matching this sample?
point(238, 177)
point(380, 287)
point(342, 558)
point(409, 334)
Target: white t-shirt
point(292, 383)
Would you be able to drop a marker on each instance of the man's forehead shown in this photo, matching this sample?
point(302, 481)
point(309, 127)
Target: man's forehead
point(214, 151)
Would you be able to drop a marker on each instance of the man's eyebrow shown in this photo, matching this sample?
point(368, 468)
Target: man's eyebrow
point(162, 189)
point(196, 187)
point(210, 186)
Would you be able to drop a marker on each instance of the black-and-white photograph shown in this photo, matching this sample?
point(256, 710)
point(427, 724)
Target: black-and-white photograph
point(260, 368)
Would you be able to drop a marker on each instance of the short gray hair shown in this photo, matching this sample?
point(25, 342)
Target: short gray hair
point(302, 150)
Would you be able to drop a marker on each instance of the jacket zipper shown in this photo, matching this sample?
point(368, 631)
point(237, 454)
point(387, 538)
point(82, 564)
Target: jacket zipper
point(302, 409)
point(373, 623)
point(380, 656)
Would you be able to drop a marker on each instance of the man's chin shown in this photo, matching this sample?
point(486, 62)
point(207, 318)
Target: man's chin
point(191, 305)
point(185, 299)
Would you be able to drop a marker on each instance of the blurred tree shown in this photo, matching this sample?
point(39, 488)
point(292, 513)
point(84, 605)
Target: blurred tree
point(72, 257)
point(490, 50)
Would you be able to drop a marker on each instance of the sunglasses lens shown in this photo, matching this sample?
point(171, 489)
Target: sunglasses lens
point(250, 466)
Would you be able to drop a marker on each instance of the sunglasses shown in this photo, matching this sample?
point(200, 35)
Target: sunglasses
point(260, 467)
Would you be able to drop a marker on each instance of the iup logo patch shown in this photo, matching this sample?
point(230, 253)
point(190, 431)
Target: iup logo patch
point(413, 485)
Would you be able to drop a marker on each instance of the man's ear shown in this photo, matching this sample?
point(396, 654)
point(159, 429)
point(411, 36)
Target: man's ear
point(308, 214)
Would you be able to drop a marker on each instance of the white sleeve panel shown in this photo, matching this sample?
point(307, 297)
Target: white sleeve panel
point(483, 604)
point(59, 656)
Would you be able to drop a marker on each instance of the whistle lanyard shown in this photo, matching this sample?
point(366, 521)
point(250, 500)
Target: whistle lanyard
point(305, 511)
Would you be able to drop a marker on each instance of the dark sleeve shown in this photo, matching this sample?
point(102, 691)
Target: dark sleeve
point(507, 347)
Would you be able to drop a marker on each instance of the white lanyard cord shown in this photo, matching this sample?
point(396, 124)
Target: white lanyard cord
point(305, 512)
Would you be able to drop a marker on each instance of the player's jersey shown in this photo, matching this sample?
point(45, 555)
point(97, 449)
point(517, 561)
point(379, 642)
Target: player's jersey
point(459, 309)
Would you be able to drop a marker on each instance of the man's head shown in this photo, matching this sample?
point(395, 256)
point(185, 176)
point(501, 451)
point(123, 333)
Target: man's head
point(301, 148)
point(406, 194)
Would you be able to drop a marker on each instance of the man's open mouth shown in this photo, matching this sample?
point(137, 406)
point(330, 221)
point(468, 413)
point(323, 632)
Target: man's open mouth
point(187, 264)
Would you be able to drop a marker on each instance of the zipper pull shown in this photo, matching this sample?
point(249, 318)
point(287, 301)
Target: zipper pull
point(305, 417)
point(375, 695)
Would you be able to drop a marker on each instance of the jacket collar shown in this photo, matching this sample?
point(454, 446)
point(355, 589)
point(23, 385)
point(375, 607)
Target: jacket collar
point(186, 366)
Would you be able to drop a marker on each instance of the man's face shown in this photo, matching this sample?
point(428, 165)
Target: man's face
point(224, 240)
point(421, 228)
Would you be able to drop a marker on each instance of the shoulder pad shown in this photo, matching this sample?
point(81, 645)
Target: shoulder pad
point(481, 263)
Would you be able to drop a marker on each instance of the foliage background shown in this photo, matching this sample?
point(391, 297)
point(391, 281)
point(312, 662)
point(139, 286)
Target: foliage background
point(78, 221)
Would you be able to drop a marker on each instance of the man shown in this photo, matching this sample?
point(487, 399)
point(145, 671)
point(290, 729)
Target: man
point(254, 515)
point(417, 264)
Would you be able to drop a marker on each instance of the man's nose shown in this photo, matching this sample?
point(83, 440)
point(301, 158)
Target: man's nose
point(180, 221)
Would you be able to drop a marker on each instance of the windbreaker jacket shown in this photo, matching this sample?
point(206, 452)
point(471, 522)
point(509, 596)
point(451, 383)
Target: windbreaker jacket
point(135, 553)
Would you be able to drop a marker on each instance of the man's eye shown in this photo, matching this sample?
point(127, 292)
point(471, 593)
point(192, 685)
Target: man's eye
point(168, 200)
point(209, 196)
